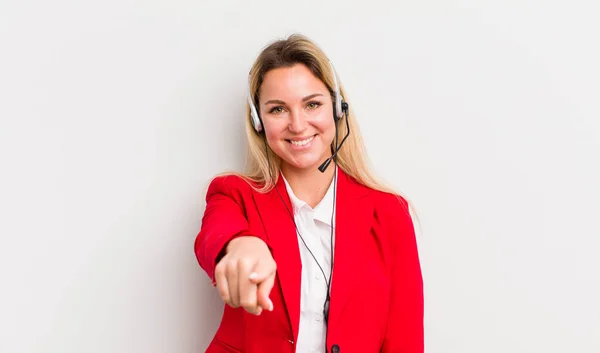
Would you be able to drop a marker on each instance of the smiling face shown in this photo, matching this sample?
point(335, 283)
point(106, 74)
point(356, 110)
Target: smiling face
point(297, 113)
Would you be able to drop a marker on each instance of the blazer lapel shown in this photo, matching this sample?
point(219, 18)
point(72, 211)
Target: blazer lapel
point(283, 240)
point(354, 213)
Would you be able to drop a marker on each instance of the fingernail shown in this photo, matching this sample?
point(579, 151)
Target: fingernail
point(253, 275)
point(270, 305)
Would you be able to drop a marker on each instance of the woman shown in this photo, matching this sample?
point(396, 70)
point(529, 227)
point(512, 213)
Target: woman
point(309, 256)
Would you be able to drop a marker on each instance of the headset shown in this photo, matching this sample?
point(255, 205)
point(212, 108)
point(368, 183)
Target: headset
point(340, 108)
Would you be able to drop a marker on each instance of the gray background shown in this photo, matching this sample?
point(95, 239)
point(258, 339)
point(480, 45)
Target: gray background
point(116, 114)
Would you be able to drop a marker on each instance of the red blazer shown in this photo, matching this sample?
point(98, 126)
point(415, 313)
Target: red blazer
point(377, 288)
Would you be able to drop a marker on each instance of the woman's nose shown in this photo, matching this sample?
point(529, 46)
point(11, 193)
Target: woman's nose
point(298, 122)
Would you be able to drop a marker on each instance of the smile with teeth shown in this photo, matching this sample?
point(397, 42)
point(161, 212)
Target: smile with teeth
point(302, 142)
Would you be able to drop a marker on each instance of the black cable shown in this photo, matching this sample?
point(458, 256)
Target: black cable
point(335, 163)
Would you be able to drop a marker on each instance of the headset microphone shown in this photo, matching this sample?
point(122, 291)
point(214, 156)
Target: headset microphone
point(325, 164)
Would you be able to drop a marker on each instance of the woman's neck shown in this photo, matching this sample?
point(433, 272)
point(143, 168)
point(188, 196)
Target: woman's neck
point(309, 185)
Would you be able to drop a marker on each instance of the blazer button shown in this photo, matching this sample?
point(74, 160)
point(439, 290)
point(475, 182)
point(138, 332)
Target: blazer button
point(335, 349)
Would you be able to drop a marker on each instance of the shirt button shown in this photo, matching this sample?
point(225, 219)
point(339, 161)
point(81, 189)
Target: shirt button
point(335, 349)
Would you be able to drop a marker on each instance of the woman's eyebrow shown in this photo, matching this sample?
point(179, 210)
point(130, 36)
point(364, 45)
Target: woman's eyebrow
point(277, 101)
point(311, 96)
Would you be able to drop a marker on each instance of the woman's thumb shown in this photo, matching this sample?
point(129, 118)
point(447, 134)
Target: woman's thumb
point(260, 274)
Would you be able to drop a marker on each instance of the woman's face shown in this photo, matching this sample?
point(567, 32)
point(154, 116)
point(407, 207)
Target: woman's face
point(297, 113)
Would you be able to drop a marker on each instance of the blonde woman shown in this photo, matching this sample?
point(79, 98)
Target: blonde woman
point(308, 250)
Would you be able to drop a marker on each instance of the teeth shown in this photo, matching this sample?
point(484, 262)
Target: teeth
point(303, 142)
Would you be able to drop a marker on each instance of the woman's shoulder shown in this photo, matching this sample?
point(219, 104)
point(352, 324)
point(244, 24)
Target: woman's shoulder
point(390, 199)
point(231, 183)
point(387, 203)
point(382, 197)
point(390, 204)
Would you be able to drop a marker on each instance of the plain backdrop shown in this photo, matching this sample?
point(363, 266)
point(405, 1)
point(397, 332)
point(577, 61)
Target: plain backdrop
point(115, 115)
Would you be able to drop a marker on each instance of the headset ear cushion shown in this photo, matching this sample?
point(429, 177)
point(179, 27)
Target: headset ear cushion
point(254, 115)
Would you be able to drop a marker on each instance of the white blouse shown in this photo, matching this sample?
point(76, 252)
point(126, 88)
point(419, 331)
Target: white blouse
point(314, 225)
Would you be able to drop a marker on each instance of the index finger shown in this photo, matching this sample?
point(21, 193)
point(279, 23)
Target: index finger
point(263, 292)
point(247, 289)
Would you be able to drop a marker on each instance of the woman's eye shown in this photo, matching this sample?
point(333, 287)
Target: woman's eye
point(313, 105)
point(276, 110)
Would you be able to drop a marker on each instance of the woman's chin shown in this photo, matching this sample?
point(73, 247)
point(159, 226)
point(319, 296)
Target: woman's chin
point(304, 164)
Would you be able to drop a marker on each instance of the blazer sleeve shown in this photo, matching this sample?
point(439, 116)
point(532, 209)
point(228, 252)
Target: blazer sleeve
point(224, 219)
point(404, 333)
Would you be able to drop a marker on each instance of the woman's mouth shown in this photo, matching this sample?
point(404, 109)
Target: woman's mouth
point(301, 143)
